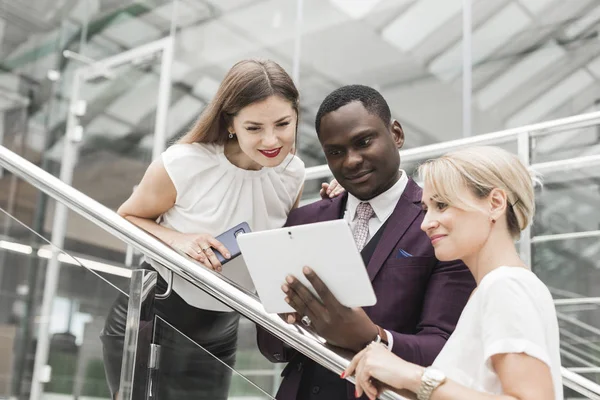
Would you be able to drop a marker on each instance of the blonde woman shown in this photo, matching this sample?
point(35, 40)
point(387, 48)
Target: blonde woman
point(506, 342)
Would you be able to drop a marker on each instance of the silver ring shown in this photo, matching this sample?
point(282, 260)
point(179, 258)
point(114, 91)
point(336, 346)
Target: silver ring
point(204, 250)
point(306, 321)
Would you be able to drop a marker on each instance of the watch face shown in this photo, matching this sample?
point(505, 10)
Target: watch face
point(435, 374)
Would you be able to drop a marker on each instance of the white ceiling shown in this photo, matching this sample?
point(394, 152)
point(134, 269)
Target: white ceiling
point(533, 60)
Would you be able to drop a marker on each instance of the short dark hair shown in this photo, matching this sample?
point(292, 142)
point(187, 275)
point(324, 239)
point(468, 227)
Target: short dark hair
point(370, 98)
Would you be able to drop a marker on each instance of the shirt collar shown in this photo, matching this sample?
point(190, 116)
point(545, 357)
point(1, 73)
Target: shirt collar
point(384, 204)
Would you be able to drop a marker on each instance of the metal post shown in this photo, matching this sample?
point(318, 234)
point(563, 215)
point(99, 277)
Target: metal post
point(164, 97)
point(524, 151)
point(467, 68)
point(297, 42)
point(69, 160)
point(2, 113)
point(138, 335)
point(59, 226)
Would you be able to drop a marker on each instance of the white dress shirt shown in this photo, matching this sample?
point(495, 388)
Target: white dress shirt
point(383, 206)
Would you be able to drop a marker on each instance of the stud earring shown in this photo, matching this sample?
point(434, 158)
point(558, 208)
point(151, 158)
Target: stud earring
point(231, 135)
point(493, 220)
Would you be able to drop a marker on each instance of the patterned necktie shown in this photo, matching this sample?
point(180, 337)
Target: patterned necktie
point(364, 212)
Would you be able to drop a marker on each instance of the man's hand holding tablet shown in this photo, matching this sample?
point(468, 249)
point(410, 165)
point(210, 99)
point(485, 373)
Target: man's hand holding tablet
point(328, 295)
point(341, 326)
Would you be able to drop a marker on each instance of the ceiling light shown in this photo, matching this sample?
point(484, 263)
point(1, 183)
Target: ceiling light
point(46, 252)
point(419, 21)
point(355, 8)
point(19, 248)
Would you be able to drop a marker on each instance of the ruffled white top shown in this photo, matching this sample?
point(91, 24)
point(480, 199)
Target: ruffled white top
point(213, 195)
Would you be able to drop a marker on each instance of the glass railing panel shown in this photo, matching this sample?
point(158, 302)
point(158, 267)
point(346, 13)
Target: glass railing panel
point(84, 295)
point(117, 130)
point(187, 370)
point(90, 243)
point(566, 144)
point(590, 373)
point(568, 201)
point(226, 334)
point(569, 266)
point(580, 336)
point(570, 270)
point(252, 364)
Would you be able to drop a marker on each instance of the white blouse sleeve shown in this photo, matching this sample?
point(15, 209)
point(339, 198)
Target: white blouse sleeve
point(186, 163)
point(511, 322)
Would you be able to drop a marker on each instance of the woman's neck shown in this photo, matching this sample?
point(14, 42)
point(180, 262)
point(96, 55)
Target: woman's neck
point(496, 252)
point(237, 157)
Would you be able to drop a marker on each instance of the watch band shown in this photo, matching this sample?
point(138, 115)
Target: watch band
point(379, 337)
point(431, 379)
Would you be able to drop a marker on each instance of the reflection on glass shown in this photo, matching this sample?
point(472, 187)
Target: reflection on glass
point(567, 144)
point(84, 294)
point(568, 202)
point(570, 269)
point(187, 370)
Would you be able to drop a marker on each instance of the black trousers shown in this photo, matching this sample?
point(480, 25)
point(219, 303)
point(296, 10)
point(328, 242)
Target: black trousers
point(187, 370)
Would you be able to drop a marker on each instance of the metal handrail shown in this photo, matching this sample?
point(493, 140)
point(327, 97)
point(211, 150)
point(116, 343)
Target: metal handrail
point(233, 295)
point(211, 282)
point(494, 138)
point(580, 384)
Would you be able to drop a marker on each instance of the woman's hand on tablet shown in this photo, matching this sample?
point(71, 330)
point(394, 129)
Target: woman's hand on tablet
point(200, 248)
point(345, 327)
point(331, 189)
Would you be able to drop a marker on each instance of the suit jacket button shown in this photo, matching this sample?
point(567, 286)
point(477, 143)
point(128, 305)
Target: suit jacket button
point(299, 366)
point(316, 389)
point(277, 356)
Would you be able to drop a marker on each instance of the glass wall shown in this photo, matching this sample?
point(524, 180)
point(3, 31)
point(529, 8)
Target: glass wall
point(529, 61)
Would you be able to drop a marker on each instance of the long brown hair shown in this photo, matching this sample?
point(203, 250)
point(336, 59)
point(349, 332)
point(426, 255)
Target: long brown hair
point(247, 82)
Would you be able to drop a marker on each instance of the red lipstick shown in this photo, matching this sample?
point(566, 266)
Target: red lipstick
point(271, 153)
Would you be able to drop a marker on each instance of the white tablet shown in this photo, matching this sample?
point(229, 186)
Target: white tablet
point(327, 247)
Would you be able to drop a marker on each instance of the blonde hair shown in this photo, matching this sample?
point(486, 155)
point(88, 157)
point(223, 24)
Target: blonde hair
point(247, 82)
point(482, 169)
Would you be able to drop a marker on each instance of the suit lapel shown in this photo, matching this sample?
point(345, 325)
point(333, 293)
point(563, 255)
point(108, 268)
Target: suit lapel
point(333, 209)
point(406, 211)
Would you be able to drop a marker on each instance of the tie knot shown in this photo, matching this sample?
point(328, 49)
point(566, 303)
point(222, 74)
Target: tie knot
point(364, 211)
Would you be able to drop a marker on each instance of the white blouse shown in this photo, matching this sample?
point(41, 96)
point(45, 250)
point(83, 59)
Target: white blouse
point(511, 311)
point(213, 195)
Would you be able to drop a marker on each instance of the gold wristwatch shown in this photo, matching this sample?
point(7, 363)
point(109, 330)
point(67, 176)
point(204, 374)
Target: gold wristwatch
point(431, 379)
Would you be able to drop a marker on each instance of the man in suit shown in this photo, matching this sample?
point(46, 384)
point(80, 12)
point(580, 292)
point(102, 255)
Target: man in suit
point(419, 298)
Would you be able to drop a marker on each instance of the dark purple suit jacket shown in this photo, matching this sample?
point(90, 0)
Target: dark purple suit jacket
point(419, 298)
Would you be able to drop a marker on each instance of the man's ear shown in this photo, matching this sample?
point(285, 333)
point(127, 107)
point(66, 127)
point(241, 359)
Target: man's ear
point(498, 203)
point(397, 133)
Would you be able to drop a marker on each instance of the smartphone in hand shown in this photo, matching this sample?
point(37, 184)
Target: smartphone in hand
point(229, 240)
